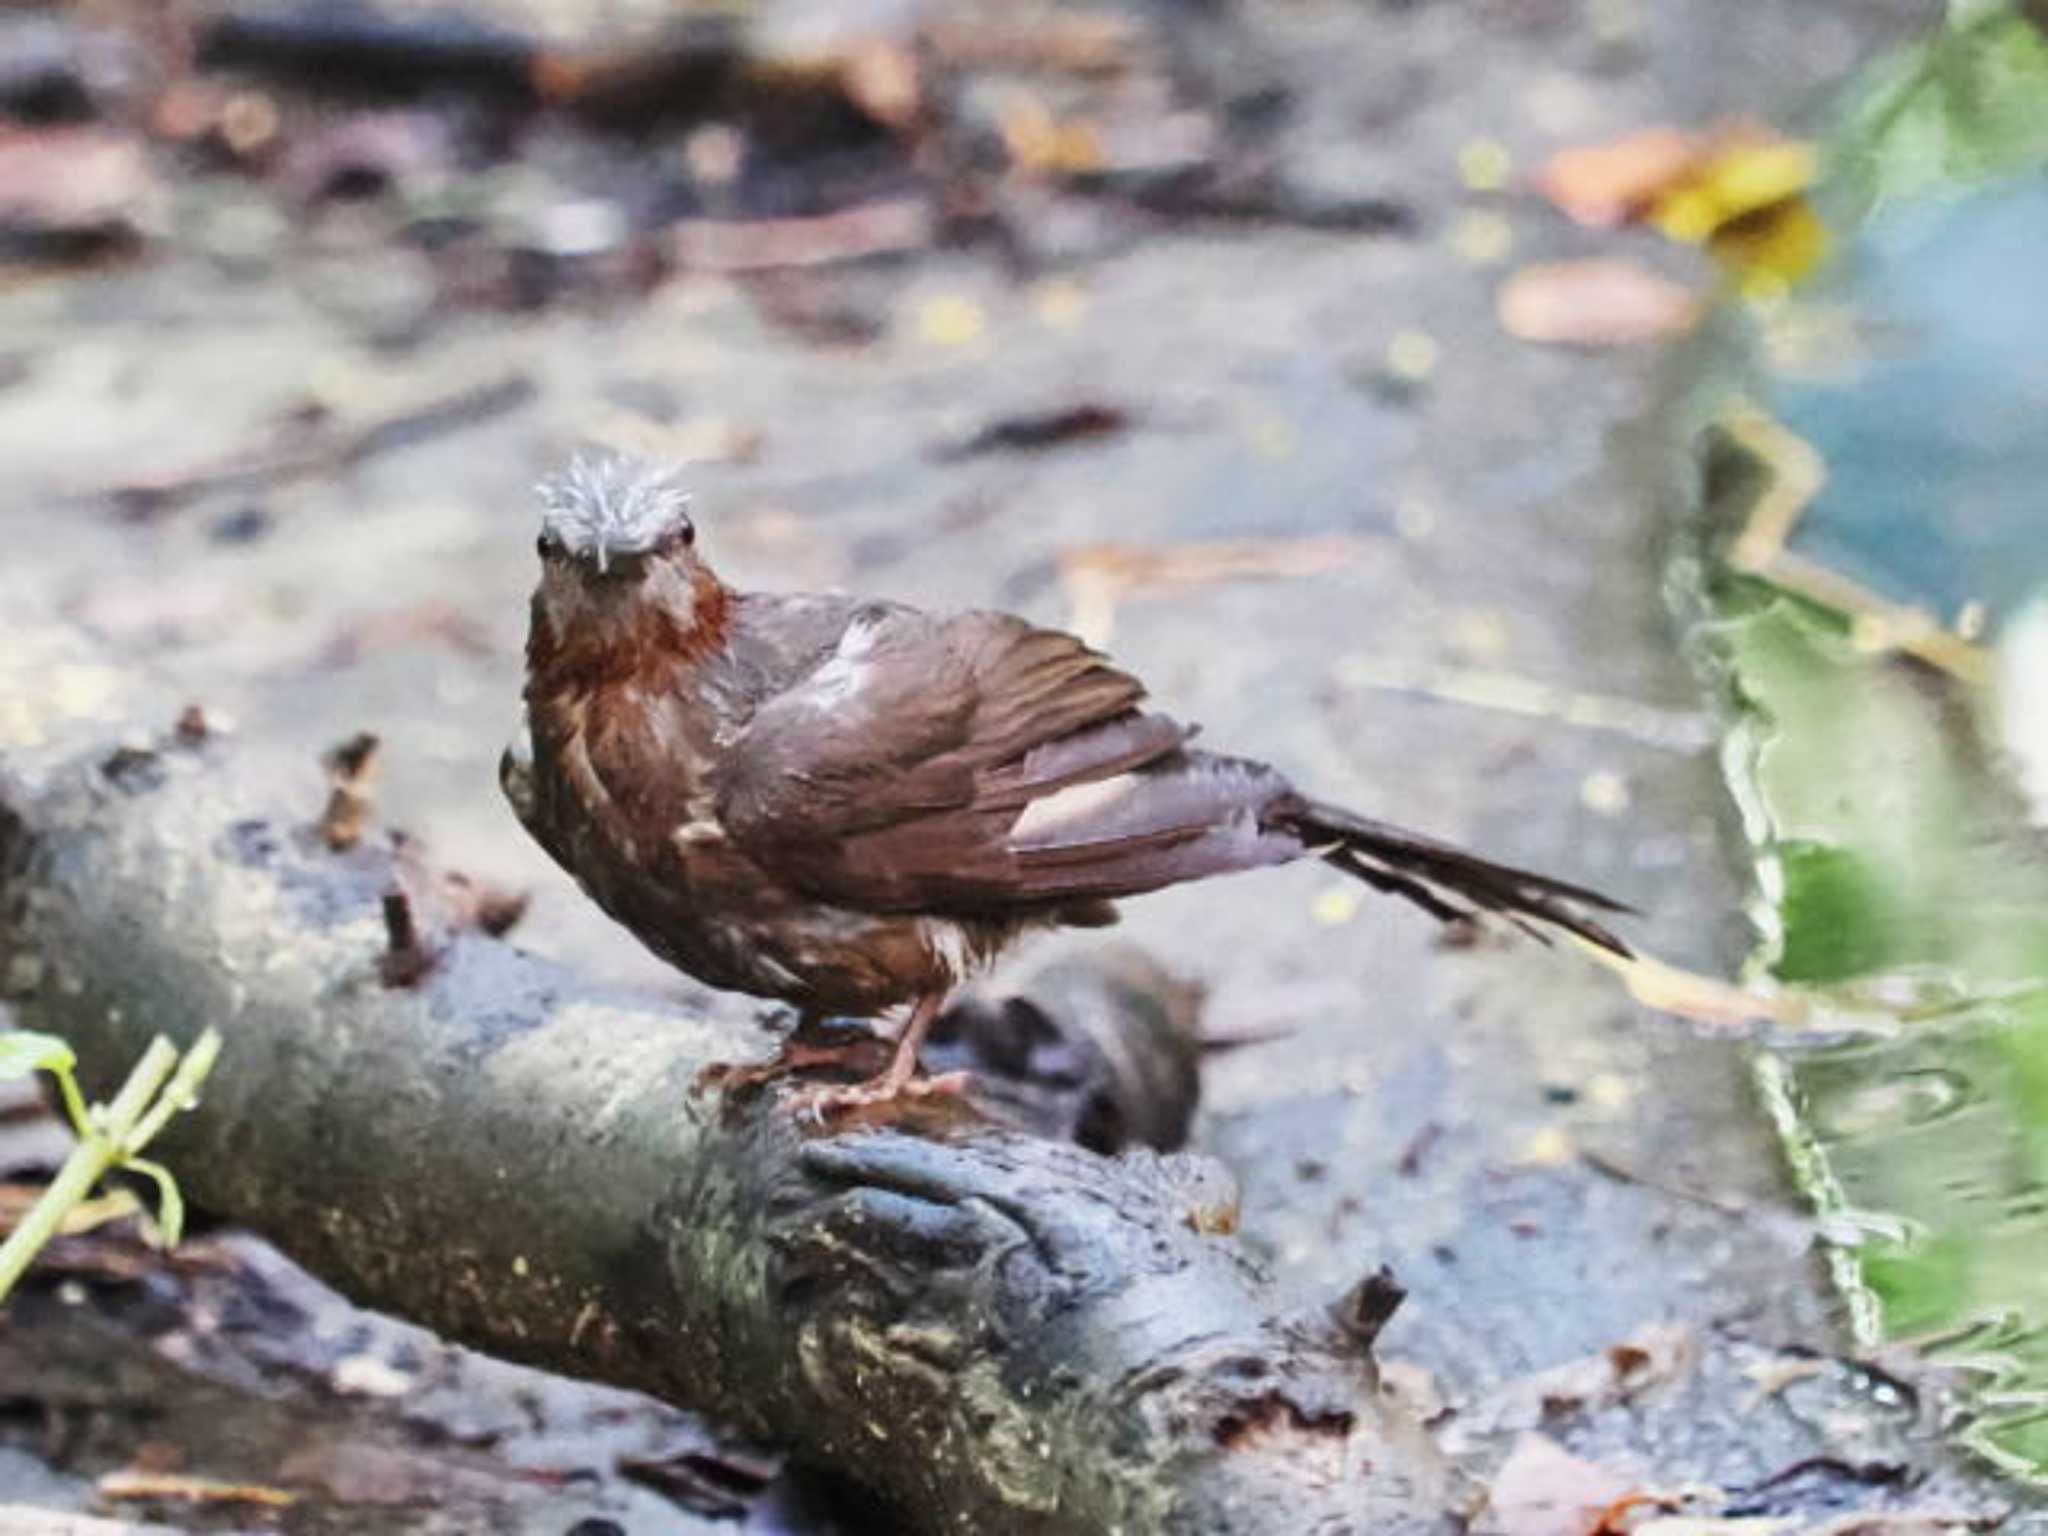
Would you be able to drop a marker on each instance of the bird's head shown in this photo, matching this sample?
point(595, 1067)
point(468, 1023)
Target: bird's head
point(618, 555)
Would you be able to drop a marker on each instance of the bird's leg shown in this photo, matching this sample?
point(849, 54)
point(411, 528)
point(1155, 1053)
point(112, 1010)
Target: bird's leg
point(903, 1065)
point(900, 1080)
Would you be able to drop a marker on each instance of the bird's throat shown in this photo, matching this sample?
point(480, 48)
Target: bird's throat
point(676, 616)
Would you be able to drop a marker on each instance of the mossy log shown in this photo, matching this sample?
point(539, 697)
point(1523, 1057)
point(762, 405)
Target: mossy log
point(993, 1332)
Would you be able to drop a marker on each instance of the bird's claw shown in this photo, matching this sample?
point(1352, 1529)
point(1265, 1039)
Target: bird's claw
point(795, 1058)
point(824, 1102)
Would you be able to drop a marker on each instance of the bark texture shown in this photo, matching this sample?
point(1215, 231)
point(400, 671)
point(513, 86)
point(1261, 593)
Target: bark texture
point(993, 1332)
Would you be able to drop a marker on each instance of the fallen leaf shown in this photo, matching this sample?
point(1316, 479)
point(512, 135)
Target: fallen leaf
point(1598, 302)
point(191, 1490)
point(1544, 1490)
point(1031, 431)
point(816, 240)
point(1773, 248)
point(1040, 143)
point(1061, 39)
point(1616, 1519)
point(68, 184)
point(1650, 1357)
point(1733, 180)
point(1738, 189)
point(1605, 185)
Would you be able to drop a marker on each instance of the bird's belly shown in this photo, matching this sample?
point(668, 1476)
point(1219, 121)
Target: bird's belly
point(726, 921)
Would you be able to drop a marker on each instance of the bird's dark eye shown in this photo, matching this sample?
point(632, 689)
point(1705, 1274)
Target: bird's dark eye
point(546, 546)
point(687, 533)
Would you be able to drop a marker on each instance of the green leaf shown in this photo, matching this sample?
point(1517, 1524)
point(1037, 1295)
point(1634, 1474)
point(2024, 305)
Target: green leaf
point(1957, 111)
point(23, 1051)
point(170, 1214)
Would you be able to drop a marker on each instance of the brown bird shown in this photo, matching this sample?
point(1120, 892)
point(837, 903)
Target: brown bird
point(854, 805)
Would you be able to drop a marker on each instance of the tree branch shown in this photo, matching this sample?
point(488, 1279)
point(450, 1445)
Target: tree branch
point(995, 1333)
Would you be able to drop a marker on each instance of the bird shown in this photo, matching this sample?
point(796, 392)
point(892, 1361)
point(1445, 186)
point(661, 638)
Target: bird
point(854, 806)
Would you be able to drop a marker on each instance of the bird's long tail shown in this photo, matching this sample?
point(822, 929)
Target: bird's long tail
point(1447, 882)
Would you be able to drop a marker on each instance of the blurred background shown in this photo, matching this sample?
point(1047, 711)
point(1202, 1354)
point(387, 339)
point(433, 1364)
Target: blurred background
point(1603, 432)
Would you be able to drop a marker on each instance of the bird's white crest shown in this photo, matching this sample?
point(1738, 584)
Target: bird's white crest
point(606, 504)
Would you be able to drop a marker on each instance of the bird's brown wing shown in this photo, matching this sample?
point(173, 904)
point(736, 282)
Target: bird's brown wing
point(974, 763)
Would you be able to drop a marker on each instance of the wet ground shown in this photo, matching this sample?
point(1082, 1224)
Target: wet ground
point(1549, 1168)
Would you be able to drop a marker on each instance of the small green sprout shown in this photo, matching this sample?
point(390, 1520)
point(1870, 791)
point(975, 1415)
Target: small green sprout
point(111, 1135)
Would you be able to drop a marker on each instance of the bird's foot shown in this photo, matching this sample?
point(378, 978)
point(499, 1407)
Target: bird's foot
point(811, 1047)
point(823, 1102)
point(792, 1060)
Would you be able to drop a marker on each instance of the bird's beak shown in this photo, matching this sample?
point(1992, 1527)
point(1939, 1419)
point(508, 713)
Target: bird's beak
point(604, 560)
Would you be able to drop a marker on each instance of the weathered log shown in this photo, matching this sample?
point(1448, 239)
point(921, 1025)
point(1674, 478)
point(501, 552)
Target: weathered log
point(995, 1333)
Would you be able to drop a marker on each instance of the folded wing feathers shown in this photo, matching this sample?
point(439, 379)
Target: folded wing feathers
point(1041, 781)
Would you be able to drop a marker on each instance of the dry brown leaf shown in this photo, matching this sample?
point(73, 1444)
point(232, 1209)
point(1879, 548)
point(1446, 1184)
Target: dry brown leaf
point(816, 240)
point(64, 181)
point(1627, 179)
point(1598, 302)
point(1054, 39)
point(1605, 185)
point(1651, 1357)
point(1040, 143)
point(1544, 1490)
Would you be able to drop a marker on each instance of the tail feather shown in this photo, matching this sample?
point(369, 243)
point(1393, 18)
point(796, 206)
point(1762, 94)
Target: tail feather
point(1447, 882)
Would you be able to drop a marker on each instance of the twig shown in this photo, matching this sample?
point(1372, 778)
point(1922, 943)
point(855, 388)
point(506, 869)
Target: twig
point(1607, 1167)
point(1513, 694)
point(324, 450)
point(1098, 577)
point(887, 228)
point(1798, 473)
